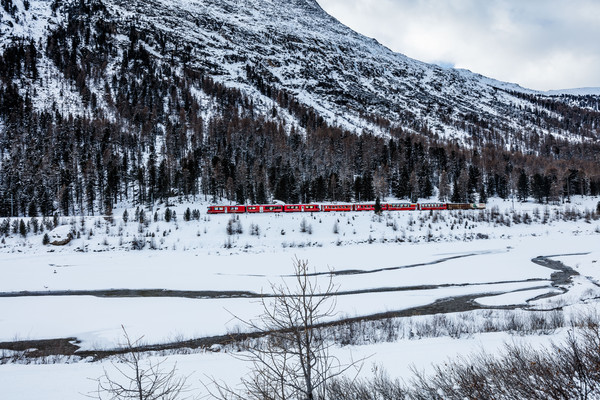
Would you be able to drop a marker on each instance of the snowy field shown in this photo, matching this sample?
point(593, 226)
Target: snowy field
point(191, 277)
point(76, 381)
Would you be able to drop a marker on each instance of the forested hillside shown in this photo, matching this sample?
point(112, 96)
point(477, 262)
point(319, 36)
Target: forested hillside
point(108, 101)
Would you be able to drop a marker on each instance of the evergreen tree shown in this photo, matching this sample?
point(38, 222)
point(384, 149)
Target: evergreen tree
point(22, 228)
point(377, 205)
point(473, 183)
point(32, 209)
point(456, 195)
point(424, 180)
point(5, 227)
point(261, 194)
point(523, 186)
point(482, 194)
point(538, 187)
point(142, 217)
point(503, 188)
point(163, 182)
point(358, 189)
point(367, 190)
point(152, 179)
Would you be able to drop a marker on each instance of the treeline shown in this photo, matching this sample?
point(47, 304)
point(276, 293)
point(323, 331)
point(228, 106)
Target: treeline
point(146, 136)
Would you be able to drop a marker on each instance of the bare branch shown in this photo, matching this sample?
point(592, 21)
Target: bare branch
point(140, 380)
point(292, 361)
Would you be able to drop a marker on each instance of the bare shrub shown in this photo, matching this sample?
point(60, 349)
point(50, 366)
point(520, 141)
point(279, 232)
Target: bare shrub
point(254, 230)
point(293, 359)
point(138, 244)
point(234, 226)
point(303, 225)
point(569, 370)
point(380, 387)
point(140, 379)
point(562, 371)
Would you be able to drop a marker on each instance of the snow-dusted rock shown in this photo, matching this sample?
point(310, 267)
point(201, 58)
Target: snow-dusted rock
point(61, 235)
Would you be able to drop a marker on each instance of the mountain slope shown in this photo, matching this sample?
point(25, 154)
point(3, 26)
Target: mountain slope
point(296, 46)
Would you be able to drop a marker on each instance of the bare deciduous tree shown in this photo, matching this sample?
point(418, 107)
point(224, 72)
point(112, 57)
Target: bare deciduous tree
point(140, 379)
point(293, 360)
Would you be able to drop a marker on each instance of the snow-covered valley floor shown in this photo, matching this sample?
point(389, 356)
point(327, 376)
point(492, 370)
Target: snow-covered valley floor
point(191, 278)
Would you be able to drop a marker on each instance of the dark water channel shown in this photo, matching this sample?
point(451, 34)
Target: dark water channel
point(561, 279)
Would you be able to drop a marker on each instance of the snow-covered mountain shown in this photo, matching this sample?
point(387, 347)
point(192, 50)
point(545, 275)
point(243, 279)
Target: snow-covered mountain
point(259, 46)
point(584, 91)
point(103, 101)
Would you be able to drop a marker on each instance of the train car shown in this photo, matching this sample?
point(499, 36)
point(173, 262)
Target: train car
point(337, 207)
point(459, 206)
point(365, 207)
point(226, 209)
point(301, 208)
point(432, 206)
point(235, 209)
point(466, 206)
point(271, 208)
point(399, 206)
point(311, 208)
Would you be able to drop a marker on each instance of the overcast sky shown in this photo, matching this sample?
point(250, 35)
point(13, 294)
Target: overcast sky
point(539, 44)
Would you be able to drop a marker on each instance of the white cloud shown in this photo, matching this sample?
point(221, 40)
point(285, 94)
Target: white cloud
point(540, 44)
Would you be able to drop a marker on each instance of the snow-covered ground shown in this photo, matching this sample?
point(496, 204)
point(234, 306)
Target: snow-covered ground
point(488, 267)
point(272, 233)
point(395, 262)
point(76, 381)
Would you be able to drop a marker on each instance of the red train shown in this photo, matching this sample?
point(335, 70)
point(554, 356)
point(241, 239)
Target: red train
point(291, 208)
